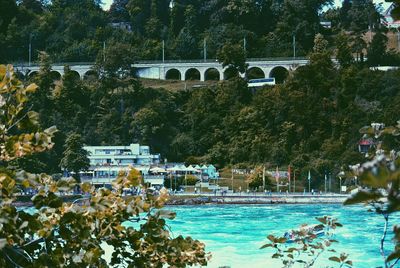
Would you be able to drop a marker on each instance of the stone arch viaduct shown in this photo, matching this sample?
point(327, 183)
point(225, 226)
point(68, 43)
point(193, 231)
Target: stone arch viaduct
point(181, 70)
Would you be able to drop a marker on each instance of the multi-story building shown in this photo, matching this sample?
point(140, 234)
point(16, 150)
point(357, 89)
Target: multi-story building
point(107, 161)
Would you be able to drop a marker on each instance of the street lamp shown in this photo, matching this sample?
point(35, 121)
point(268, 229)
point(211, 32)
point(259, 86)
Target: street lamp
point(341, 173)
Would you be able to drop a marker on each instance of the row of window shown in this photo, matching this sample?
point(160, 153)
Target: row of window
point(119, 152)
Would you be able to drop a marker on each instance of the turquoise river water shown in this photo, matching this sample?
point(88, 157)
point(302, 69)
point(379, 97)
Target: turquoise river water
point(234, 233)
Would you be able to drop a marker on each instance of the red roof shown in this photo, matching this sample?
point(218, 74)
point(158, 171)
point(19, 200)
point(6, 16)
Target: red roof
point(366, 142)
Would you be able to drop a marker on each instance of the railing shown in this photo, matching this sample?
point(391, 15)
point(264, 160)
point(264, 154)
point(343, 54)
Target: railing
point(26, 64)
point(215, 60)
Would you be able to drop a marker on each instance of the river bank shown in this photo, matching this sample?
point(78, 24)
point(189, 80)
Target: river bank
point(202, 199)
point(256, 199)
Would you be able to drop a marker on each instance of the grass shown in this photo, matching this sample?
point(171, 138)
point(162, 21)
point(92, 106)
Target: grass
point(175, 85)
point(239, 180)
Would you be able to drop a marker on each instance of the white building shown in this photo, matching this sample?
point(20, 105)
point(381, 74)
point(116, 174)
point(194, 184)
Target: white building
point(107, 161)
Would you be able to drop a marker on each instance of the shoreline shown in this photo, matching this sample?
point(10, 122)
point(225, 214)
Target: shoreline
point(204, 199)
point(253, 200)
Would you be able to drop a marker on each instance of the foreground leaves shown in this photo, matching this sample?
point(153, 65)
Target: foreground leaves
point(305, 244)
point(61, 234)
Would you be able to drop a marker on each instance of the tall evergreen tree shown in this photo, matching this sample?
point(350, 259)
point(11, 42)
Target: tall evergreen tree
point(75, 158)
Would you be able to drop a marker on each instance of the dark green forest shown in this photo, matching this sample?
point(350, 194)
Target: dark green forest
point(78, 31)
point(311, 121)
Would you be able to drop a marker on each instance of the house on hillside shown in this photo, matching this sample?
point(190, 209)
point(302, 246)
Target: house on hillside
point(388, 20)
point(365, 144)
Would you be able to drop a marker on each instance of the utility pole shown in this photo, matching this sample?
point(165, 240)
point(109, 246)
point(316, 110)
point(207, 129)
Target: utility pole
point(398, 39)
point(232, 179)
point(205, 50)
point(294, 181)
point(289, 176)
point(163, 51)
point(294, 47)
point(104, 51)
point(263, 177)
point(30, 49)
point(244, 44)
point(330, 181)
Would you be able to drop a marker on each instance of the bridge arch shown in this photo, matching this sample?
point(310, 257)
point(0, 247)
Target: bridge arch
point(75, 75)
point(280, 74)
point(255, 73)
point(32, 74)
point(173, 74)
point(192, 74)
point(230, 72)
point(212, 74)
point(55, 75)
point(90, 75)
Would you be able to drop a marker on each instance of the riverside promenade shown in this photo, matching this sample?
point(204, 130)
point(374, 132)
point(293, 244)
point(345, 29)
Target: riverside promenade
point(256, 198)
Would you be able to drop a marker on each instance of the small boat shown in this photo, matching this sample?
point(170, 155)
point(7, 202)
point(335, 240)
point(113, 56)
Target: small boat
point(305, 232)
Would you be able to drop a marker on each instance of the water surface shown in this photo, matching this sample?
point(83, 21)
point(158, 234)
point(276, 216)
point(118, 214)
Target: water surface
point(234, 233)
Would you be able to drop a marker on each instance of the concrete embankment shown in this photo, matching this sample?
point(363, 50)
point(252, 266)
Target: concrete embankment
point(261, 199)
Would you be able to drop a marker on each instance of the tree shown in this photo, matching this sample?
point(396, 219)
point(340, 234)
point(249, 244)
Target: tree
point(320, 44)
point(376, 52)
point(71, 234)
point(233, 57)
point(118, 11)
point(186, 43)
point(75, 158)
point(358, 47)
point(116, 60)
point(343, 54)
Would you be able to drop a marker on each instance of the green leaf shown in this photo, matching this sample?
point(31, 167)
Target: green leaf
point(393, 256)
point(86, 187)
point(335, 259)
point(271, 238)
point(31, 88)
point(367, 130)
point(362, 196)
point(166, 214)
point(276, 256)
point(281, 240)
point(321, 220)
point(266, 246)
point(349, 263)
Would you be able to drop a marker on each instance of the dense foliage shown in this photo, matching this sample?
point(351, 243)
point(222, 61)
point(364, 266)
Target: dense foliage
point(380, 180)
point(135, 29)
point(61, 234)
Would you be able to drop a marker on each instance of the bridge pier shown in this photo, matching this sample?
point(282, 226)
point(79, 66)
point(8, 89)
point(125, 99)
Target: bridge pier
point(203, 75)
point(221, 75)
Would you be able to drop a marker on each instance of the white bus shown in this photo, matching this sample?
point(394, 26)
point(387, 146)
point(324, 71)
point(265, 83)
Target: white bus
point(261, 82)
